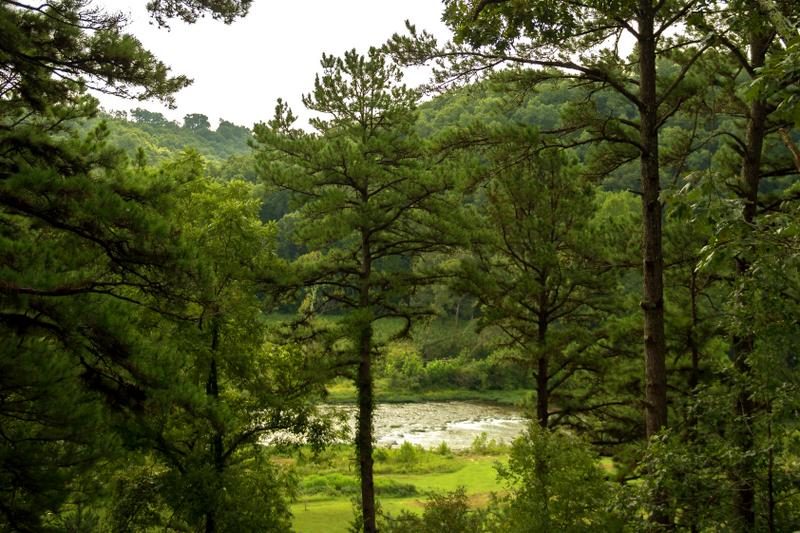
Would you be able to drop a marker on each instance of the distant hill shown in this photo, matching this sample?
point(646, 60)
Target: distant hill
point(159, 137)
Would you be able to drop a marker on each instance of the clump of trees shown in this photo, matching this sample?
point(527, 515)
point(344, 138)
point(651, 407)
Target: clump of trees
point(587, 205)
point(137, 378)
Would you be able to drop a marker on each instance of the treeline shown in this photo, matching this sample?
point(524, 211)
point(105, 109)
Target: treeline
point(575, 214)
point(149, 138)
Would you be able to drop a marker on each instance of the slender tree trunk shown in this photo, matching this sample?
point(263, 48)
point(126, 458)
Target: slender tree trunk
point(693, 513)
point(694, 376)
point(542, 392)
point(744, 409)
point(744, 342)
point(364, 437)
point(542, 377)
point(770, 478)
point(542, 401)
point(364, 430)
point(212, 390)
point(653, 258)
point(792, 146)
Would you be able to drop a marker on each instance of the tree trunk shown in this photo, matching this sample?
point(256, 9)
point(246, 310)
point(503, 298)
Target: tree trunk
point(542, 377)
point(542, 393)
point(744, 342)
point(212, 389)
point(653, 258)
point(770, 478)
point(694, 376)
point(364, 430)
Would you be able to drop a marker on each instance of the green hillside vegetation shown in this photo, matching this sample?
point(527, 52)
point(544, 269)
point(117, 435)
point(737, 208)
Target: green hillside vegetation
point(148, 137)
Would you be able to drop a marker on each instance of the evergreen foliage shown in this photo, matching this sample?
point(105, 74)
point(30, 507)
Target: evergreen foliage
point(498, 236)
point(367, 205)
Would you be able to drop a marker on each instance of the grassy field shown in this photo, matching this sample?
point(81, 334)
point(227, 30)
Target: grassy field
point(329, 513)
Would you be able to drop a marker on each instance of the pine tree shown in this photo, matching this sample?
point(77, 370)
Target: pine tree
point(366, 205)
point(536, 267)
point(83, 242)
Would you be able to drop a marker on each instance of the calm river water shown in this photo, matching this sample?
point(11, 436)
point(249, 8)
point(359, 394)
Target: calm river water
point(430, 423)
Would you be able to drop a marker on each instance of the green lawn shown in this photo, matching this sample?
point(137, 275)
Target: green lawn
point(327, 514)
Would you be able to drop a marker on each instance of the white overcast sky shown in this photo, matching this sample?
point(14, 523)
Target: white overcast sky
point(240, 70)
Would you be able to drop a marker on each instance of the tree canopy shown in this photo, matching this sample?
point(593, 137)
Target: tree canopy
point(178, 300)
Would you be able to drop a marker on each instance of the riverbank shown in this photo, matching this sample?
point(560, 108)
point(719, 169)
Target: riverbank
point(344, 392)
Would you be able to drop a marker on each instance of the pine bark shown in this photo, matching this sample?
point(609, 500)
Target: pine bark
point(542, 376)
point(542, 392)
point(653, 258)
point(364, 430)
point(652, 251)
point(212, 390)
point(744, 342)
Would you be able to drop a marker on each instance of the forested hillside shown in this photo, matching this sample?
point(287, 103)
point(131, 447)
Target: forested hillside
point(150, 138)
point(606, 237)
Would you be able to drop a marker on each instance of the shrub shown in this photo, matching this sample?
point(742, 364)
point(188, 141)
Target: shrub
point(554, 483)
point(448, 512)
point(407, 453)
point(444, 449)
point(332, 484)
point(481, 445)
point(335, 485)
point(380, 455)
point(495, 372)
point(403, 366)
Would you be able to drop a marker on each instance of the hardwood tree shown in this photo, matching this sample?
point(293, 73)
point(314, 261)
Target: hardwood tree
point(756, 172)
point(214, 387)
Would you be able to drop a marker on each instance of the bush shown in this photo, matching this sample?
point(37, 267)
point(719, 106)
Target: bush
point(403, 366)
point(407, 453)
point(380, 455)
point(408, 458)
point(440, 373)
point(336, 485)
point(332, 484)
point(405, 369)
point(395, 489)
point(448, 512)
point(457, 372)
point(495, 372)
point(481, 445)
point(554, 483)
point(444, 449)
point(697, 476)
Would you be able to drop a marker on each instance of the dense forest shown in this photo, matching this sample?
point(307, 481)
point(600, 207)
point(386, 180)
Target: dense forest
point(592, 211)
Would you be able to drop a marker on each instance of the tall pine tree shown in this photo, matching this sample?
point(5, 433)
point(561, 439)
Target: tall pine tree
point(366, 205)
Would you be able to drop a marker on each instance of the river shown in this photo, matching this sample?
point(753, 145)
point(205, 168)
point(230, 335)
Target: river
point(428, 424)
